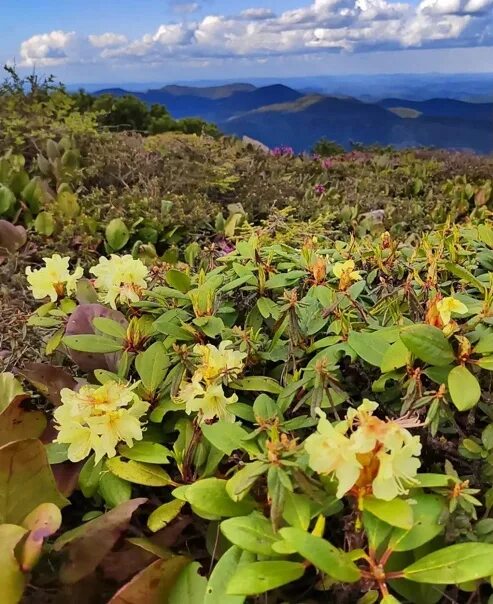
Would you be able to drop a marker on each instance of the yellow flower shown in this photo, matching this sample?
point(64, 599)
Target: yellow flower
point(398, 467)
point(346, 273)
point(330, 451)
point(219, 364)
point(378, 457)
point(120, 278)
point(97, 418)
point(447, 306)
point(210, 402)
point(54, 279)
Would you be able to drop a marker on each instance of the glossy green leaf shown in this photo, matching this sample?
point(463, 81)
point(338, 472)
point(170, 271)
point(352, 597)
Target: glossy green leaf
point(146, 474)
point(396, 512)
point(454, 564)
point(428, 344)
point(252, 533)
point(164, 514)
point(332, 561)
point(259, 577)
point(92, 343)
point(464, 388)
point(190, 586)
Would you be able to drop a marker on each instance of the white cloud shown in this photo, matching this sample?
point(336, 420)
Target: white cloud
point(257, 13)
point(108, 40)
point(183, 7)
point(256, 34)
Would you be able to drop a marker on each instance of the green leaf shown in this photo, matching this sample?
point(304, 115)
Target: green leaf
point(10, 388)
point(485, 363)
point(147, 452)
point(377, 531)
point(110, 327)
point(257, 383)
point(259, 577)
point(432, 480)
point(211, 326)
point(368, 346)
point(395, 357)
point(252, 533)
point(178, 280)
point(209, 495)
point(12, 579)
point(56, 453)
point(117, 234)
point(152, 366)
point(465, 275)
point(44, 224)
point(336, 563)
point(223, 571)
point(464, 388)
point(89, 476)
point(428, 344)
point(297, 510)
point(396, 512)
point(284, 279)
point(224, 436)
point(7, 199)
point(114, 490)
point(485, 344)
point(189, 587)
point(239, 484)
point(92, 343)
point(428, 522)
point(454, 564)
point(139, 473)
point(26, 480)
point(164, 514)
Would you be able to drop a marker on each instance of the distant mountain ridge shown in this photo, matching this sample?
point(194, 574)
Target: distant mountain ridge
point(280, 115)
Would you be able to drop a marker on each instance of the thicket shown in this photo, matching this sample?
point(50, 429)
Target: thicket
point(238, 376)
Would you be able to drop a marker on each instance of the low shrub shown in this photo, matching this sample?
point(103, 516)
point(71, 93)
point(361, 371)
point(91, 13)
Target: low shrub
point(307, 422)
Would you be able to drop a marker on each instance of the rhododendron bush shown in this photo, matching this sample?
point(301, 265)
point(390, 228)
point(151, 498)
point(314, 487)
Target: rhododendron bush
point(266, 424)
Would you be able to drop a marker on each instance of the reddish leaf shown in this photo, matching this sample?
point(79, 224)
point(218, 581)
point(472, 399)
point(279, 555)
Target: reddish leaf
point(152, 585)
point(80, 322)
point(87, 545)
point(12, 237)
point(67, 476)
point(42, 522)
point(48, 380)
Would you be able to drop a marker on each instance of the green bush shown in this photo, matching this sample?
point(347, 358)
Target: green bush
point(315, 418)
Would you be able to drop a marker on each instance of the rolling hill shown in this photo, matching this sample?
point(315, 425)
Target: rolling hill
point(279, 115)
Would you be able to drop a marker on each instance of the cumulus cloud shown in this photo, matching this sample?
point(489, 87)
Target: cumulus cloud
point(108, 40)
point(258, 33)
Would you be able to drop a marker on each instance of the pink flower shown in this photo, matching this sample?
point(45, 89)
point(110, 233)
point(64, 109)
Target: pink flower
point(319, 189)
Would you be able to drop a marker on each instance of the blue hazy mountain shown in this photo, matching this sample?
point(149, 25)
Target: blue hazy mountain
point(280, 115)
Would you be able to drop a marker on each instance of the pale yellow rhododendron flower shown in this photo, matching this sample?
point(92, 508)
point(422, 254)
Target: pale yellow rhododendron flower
point(210, 402)
point(223, 363)
point(54, 279)
point(97, 418)
point(204, 394)
point(330, 451)
point(447, 306)
point(121, 278)
point(347, 269)
point(377, 456)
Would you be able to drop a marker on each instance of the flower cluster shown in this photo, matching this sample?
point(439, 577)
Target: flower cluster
point(120, 278)
point(366, 454)
point(282, 151)
point(53, 280)
point(204, 393)
point(97, 418)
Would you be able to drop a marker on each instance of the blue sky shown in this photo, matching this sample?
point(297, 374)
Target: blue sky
point(165, 40)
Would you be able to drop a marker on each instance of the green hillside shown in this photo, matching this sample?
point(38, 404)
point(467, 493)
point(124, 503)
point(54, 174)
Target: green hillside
point(238, 375)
